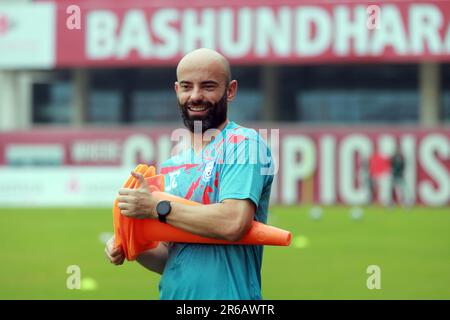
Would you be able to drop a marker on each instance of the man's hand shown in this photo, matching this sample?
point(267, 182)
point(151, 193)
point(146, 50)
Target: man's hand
point(137, 203)
point(115, 255)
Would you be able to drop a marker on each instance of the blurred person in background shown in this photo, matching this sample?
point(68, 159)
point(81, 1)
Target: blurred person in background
point(364, 176)
point(398, 179)
point(380, 178)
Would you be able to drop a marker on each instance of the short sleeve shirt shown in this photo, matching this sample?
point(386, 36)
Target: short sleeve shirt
point(237, 164)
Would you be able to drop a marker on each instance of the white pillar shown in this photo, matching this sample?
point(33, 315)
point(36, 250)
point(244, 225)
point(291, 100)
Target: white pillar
point(430, 94)
point(24, 100)
point(15, 100)
point(8, 100)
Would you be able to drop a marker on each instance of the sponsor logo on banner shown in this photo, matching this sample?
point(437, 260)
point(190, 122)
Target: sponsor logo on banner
point(5, 24)
point(27, 35)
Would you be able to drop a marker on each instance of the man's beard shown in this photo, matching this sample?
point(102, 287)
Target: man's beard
point(215, 115)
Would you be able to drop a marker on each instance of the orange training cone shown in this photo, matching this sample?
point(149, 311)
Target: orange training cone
point(139, 235)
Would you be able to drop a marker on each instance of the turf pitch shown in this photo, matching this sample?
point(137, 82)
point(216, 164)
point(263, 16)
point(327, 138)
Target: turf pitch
point(328, 258)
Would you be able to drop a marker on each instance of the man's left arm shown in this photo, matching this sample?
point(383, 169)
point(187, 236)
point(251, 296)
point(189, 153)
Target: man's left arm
point(227, 220)
point(241, 186)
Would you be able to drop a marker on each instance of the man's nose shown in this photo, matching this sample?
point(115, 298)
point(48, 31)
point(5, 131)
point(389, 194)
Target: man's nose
point(196, 95)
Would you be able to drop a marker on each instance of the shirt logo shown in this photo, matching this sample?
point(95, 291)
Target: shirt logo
point(172, 180)
point(207, 172)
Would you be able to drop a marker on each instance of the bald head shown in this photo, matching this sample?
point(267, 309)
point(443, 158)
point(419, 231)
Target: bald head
point(204, 61)
point(204, 88)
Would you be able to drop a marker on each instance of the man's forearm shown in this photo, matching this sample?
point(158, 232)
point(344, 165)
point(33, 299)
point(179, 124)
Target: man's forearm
point(229, 220)
point(155, 259)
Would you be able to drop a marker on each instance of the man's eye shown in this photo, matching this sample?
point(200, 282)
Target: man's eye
point(210, 88)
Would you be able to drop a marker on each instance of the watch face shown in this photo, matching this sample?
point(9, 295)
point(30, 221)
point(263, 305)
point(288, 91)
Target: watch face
point(163, 208)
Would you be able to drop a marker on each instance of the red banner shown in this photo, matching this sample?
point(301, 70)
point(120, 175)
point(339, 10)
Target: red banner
point(313, 165)
point(101, 33)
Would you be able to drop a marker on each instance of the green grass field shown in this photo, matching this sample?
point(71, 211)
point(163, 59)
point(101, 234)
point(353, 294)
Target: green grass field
point(328, 258)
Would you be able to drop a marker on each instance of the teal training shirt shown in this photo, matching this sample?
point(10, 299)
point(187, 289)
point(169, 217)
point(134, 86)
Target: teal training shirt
point(237, 164)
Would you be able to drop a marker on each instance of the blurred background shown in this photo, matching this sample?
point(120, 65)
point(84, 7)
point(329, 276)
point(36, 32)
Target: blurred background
point(354, 97)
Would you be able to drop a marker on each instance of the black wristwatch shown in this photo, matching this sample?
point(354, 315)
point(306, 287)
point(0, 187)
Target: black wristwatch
point(163, 209)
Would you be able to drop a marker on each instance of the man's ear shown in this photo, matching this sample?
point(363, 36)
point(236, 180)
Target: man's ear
point(176, 86)
point(232, 90)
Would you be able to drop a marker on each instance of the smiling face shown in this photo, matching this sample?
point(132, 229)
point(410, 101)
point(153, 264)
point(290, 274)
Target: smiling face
point(204, 89)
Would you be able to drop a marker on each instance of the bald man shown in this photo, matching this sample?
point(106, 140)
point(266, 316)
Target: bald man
point(226, 173)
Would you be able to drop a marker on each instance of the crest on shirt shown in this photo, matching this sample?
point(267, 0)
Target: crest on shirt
point(207, 172)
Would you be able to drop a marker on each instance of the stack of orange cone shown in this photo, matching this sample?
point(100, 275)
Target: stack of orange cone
point(138, 235)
